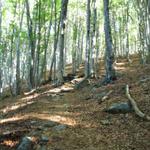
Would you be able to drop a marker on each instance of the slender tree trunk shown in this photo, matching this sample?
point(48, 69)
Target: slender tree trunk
point(56, 36)
point(127, 32)
point(74, 48)
point(37, 72)
point(109, 56)
point(47, 37)
point(0, 51)
point(18, 86)
point(64, 5)
point(31, 45)
point(87, 52)
point(11, 72)
point(93, 41)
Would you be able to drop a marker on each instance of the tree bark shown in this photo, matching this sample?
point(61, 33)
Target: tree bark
point(31, 46)
point(64, 5)
point(109, 56)
point(87, 51)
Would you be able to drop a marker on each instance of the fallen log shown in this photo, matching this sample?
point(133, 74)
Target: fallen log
point(135, 107)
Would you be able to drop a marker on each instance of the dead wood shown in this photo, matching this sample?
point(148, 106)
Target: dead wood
point(105, 96)
point(135, 107)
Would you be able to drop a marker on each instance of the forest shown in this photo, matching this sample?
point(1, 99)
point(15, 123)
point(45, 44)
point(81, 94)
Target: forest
point(74, 74)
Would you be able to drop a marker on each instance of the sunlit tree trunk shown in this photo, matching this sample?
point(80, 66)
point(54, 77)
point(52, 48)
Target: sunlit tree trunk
point(31, 46)
point(64, 4)
point(46, 41)
point(74, 49)
point(38, 51)
point(11, 70)
point(93, 41)
point(127, 32)
point(0, 49)
point(88, 29)
point(52, 70)
point(18, 86)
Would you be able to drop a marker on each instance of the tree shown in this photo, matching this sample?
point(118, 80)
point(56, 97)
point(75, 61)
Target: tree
point(31, 46)
point(109, 55)
point(0, 49)
point(88, 29)
point(64, 4)
point(18, 86)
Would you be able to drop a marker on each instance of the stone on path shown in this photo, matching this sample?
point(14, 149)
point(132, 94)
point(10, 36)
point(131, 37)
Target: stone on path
point(60, 127)
point(123, 107)
point(26, 144)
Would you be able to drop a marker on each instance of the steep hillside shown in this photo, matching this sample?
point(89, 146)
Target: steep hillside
point(65, 118)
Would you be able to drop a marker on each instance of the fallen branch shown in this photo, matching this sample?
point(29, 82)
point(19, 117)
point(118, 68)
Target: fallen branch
point(106, 96)
point(135, 107)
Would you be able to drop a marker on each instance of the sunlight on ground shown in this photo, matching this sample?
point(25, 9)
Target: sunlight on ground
point(59, 90)
point(16, 106)
point(56, 118)
point(12, 119)
point(56, 90)
point(120, 66)
point(35, 95)
point(120, 63)
point(9, 143)
point(60, 119)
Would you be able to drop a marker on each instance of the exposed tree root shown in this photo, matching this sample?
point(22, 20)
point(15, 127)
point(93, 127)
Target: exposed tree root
point(135, 107)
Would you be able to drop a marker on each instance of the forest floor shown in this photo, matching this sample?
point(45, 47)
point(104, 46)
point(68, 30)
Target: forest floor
point(58, 119)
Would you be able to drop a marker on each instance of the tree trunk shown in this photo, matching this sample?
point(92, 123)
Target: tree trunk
point(31, 45)
point(93, 41)
point(0, 51)
point(109, 56)
point(18, 86)
point(63, 16)
point(87, 52)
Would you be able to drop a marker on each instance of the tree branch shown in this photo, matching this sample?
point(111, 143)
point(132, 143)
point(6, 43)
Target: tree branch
point(135, 107)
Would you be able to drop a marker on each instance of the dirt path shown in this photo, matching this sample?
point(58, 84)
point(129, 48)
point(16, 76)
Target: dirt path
point(75, 121)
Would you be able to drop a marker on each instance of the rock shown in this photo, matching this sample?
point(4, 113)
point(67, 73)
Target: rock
point(33, 122)
point(60, 127)
point(50, 124)
point(44, 139)
point(40, 128)
point(123, 107)
point(26, 144)
point(41, 147)
point(100, 95)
